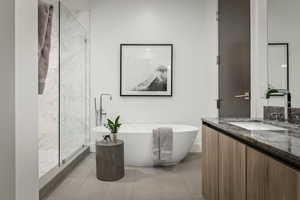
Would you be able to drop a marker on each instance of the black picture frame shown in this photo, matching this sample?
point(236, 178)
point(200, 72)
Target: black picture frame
point(121, 70)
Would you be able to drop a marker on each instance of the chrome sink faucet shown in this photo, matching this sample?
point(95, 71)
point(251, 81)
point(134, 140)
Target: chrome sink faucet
point(100, 113)
point(288, 105)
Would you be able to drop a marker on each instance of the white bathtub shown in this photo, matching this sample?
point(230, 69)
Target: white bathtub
point(139, 142)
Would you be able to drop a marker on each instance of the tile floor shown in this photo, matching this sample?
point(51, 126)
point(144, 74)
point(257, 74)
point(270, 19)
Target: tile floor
point(182, 182)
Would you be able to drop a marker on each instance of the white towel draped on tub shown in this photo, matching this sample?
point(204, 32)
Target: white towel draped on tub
point(45, 15)
point(162, 146)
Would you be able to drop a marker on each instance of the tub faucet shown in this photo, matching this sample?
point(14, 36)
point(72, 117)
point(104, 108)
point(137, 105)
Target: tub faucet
point(99, 112)
point(102, 113)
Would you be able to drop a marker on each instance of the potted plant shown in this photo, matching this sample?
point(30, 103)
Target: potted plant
point(113, 127)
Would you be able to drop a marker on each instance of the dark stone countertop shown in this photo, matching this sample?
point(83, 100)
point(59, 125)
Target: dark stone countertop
point(282, 145)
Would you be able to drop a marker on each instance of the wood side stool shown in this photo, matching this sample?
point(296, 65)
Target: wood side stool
point(110, 160)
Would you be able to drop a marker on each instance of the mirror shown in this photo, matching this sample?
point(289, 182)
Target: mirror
point(284, 44)
point(278, 65)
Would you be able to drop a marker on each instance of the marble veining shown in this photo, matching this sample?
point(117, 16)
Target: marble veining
point(274, 112)
point(295, 116)
point(283, 145)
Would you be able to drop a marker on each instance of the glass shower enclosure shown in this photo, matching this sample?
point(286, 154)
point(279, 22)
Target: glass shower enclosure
point(63, 107)
point(73, 85)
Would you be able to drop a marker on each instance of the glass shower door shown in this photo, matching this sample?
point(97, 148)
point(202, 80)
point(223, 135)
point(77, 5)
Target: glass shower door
point(73, 85)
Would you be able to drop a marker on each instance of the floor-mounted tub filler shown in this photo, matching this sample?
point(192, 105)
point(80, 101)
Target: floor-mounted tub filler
point(138, 140)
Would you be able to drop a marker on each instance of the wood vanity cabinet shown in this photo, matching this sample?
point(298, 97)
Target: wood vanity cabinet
point(268, 179)
point(234, 171)
point(223, 167)
point(210, 165)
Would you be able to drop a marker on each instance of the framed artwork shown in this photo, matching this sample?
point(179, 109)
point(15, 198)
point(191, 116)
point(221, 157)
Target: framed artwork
point(146, 70)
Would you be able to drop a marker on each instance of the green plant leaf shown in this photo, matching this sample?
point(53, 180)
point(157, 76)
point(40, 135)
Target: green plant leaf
point(117, 120)
point(113, 126)
point(109, 121)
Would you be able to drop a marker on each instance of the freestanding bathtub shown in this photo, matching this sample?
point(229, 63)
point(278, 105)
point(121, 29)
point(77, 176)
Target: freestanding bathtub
point(138, 142)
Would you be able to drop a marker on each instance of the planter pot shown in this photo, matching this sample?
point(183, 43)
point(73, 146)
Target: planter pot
point(115, 137)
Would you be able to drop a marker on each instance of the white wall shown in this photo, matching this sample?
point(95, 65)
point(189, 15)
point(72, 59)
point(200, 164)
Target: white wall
point(26, 115)
point(18, 104)
point(190, 25)
point(283, 26)
point(7, 106)
point(259, 40)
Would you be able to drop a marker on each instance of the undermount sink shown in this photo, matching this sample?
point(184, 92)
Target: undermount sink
point(257, 126)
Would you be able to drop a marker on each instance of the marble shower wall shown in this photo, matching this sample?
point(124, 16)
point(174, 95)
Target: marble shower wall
point(48, 105)
point(74, 84)
point(74, 91)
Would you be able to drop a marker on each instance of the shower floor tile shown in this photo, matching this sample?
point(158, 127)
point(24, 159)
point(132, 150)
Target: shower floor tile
point(48, 150)
point(48, 159)
point(183, 181)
